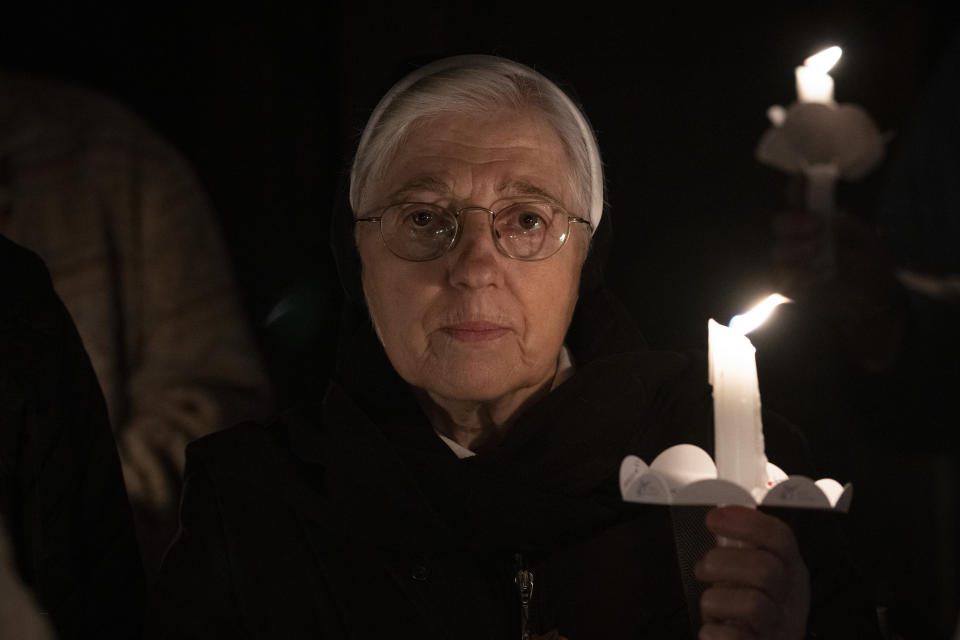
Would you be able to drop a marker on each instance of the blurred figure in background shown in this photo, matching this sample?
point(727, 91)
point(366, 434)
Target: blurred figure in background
point(69, 562)
point(890, 365)
point(135, 253)
point(20, 616)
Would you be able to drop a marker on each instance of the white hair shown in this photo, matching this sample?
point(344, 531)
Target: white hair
point(468, 84)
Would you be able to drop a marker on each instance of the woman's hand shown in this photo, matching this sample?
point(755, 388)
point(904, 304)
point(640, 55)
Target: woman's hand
point(759, 586)
point(859, 294)
point(152, 458)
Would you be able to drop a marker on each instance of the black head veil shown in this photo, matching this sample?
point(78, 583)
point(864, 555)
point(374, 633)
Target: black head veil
point(600, 326)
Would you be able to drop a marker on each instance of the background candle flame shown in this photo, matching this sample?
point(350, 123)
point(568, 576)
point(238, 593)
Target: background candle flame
point(824, 60)
point(747, 322)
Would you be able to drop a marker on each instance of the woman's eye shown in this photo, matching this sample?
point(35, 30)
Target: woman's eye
point(529, 221)
point(421, 218)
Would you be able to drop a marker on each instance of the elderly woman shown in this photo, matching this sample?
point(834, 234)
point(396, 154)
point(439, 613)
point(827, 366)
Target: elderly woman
point(458, 478)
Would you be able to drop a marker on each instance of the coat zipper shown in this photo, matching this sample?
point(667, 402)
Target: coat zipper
point(524, 581)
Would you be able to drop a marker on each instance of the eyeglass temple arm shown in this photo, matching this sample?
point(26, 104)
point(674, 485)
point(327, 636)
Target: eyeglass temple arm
point(579, 219)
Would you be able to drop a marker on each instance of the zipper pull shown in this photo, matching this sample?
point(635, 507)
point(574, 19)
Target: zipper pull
point(524, 581)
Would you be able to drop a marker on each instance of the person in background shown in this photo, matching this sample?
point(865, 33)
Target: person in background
point(69, 562)
point(135, 253)
point(892, 310)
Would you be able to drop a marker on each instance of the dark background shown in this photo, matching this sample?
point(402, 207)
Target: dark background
point(267, 101)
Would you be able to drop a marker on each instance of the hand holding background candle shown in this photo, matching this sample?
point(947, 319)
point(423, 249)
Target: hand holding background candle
point(821, 140)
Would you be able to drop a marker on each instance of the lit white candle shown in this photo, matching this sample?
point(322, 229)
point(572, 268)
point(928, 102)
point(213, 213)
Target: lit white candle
point(738, 429)
point(814, 83)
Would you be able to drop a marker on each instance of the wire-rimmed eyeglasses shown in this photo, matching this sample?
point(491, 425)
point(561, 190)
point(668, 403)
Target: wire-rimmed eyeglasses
point(528, 230)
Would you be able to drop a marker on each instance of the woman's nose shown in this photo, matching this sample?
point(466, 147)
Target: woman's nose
point(476, 262)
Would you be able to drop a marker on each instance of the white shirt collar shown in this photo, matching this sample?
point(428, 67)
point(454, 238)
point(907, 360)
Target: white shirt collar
point(564, 371)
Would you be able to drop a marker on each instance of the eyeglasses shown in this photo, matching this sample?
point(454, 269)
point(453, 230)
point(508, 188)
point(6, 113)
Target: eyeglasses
point(420, 231)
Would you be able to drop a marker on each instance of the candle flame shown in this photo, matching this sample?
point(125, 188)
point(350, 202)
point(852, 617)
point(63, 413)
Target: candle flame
point(747, 322)
point(824, 60)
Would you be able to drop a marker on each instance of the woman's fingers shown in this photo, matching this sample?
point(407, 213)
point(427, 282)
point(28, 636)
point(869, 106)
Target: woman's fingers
point(725, 632)
point(755, 528)
point(147, 470)
point(756, 568)
point(747, 609)
point(760, 589)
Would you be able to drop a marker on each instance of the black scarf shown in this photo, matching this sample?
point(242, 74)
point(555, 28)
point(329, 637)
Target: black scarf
point(554, 477)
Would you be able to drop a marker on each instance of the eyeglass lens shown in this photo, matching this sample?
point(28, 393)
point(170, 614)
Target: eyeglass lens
point(524, 230)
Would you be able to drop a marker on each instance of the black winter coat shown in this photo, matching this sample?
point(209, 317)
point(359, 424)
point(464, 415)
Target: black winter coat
point(349, 518)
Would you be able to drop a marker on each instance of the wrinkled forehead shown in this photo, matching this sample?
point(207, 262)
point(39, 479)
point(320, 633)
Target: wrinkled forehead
point(509, 153)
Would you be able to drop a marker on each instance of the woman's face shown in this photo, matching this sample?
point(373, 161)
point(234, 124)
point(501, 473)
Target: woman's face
point(473, 324)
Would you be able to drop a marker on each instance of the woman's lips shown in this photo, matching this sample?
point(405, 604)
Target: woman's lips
point(475, 331)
